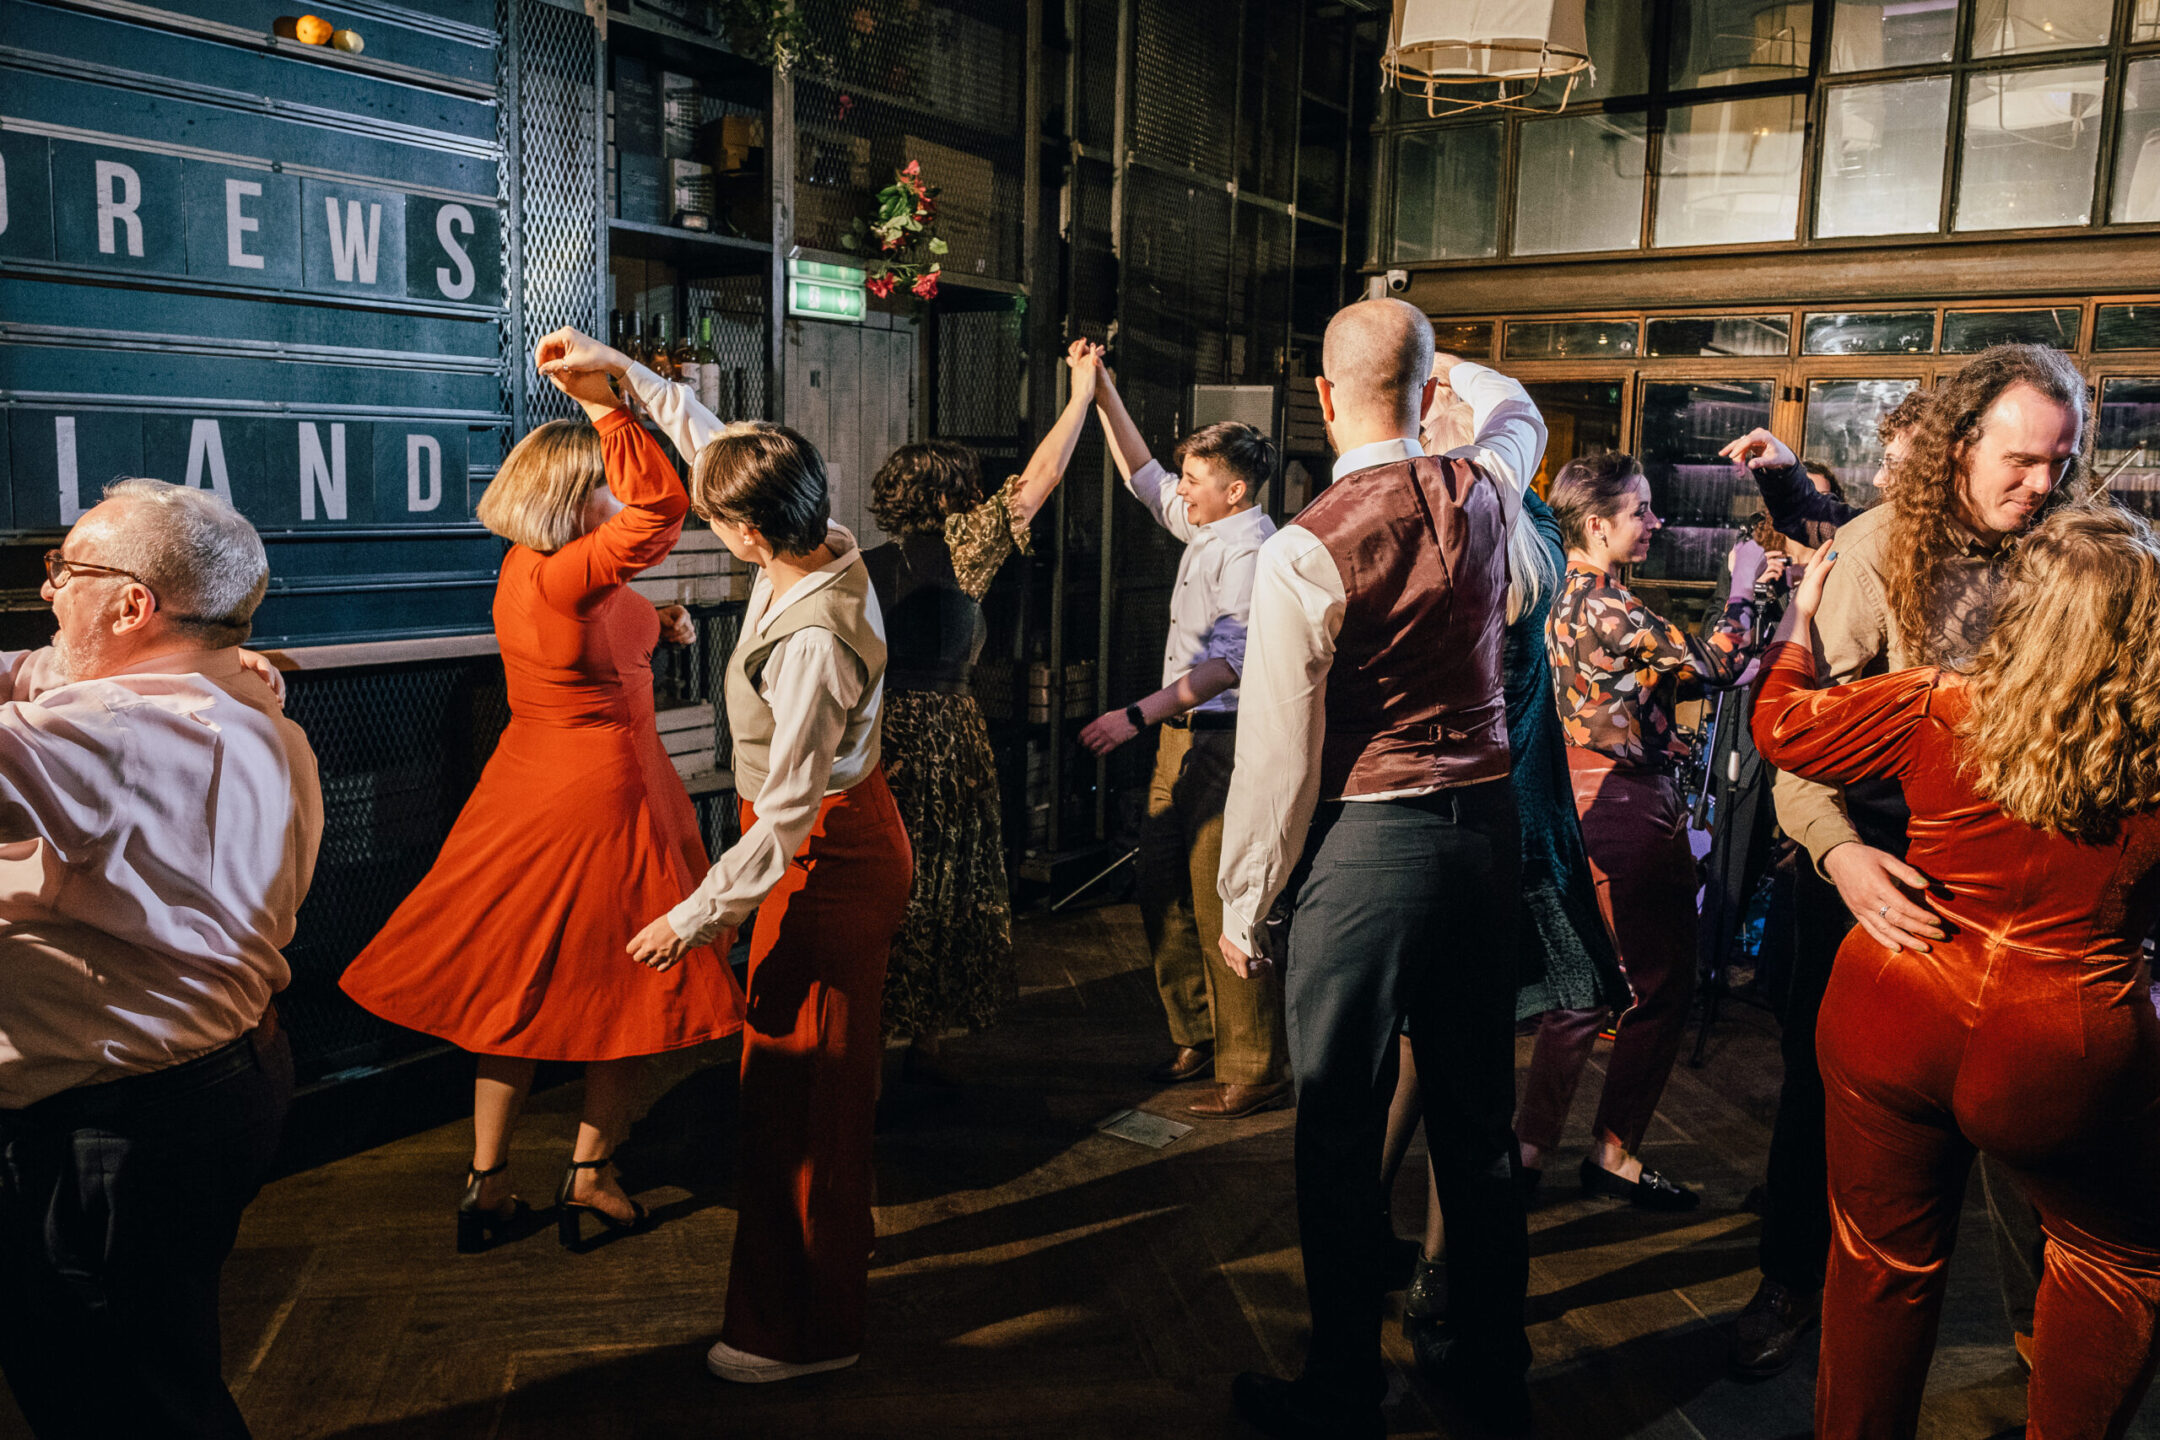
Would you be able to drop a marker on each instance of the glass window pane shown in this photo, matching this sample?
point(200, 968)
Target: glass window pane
point(2014, 27)
point(1579, 185)
point(1967, 331)
point(1840, 430)
point(2130, 437)
point(1446, 184)
point(1869, 332)
point(1880, 34)
point(1730, 172)
point(2032, 141)
point(2137, 152)
point(1882, 162)
point(1570, 339)
point(1684, 425)
point(1582, 417)
point(1721, 335)
point(2127, 327)
point(1471, 339)
point(1731, 42)
point(2145, 22)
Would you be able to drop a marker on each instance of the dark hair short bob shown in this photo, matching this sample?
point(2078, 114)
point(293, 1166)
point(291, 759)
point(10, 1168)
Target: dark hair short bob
point(764, 475)
point(1591, 487)
point(1238, 448)
point(919, 485)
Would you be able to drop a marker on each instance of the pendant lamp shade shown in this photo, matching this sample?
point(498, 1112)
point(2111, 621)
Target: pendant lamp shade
point(1453, 51)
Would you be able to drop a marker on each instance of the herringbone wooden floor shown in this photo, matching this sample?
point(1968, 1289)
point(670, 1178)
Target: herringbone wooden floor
point(1033, 1277)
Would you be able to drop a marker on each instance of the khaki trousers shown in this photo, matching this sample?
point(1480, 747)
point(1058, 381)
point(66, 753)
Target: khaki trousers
point(1180, 852)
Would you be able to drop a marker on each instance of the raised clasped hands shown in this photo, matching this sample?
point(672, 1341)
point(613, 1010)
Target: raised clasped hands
point(1089, 366)
point(1760, 450)
point(657, 945)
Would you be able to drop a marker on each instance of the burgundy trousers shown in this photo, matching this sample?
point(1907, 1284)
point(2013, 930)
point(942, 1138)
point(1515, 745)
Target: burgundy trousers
point(1635, 830)
point(799, 1281)
point(2051, 1064)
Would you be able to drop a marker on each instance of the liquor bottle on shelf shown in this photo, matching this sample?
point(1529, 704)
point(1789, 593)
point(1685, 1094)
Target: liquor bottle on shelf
point(662, 362)
point(707, 368)
point(618, 333)
point(636, 348)
point(683, 357)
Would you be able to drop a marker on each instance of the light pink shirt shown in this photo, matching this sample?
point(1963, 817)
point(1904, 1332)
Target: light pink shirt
point(157, 834)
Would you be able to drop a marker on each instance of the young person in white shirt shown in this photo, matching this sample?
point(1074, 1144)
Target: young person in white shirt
point(1212, 503)
point(823, 864)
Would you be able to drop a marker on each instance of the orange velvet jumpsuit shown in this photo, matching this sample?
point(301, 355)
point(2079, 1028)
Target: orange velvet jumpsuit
point(2028, 1033)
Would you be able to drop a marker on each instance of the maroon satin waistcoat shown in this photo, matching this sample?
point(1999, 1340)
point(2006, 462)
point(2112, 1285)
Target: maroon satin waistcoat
point(1415, 699)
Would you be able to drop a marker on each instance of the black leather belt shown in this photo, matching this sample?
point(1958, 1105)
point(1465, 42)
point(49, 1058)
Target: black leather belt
point(1203, 720)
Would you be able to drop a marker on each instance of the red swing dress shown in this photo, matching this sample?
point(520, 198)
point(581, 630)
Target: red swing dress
point(580, 830)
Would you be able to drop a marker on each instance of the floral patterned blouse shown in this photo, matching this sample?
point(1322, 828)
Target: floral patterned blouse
point(1611, 658)
point(981, 538)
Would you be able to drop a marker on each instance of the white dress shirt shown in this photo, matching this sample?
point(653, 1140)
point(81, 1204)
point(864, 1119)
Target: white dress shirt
point(1208, 608)
point(1297, 611)
point(158, 830)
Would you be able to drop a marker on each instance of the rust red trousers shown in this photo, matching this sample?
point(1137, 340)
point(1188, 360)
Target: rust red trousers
point(2049, 1062)
point(799, 1279)
point(1635, 830)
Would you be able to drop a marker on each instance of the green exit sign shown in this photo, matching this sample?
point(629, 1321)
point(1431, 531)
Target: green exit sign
point(820, 291)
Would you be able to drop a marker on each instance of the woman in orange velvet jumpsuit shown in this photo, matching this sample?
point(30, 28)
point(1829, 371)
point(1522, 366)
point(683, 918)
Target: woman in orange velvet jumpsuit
point(2029, 1033)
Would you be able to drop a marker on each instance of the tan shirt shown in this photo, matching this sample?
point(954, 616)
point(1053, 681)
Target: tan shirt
point(1855, 636)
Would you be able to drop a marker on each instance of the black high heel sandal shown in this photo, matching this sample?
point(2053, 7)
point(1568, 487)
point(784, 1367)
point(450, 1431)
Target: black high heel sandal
point(569, 1214)
point(479, 1228)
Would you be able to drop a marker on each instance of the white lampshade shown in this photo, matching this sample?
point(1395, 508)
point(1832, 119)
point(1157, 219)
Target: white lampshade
point(1434, 45)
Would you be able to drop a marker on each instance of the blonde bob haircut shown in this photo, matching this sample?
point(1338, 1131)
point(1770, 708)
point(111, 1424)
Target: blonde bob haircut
point(537, 499)
point(2064, 727)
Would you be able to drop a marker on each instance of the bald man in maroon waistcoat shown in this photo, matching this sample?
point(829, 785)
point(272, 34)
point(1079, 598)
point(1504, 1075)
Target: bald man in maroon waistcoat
point(1370, 849)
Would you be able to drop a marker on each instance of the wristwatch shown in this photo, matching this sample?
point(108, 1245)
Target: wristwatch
point(1133, 715)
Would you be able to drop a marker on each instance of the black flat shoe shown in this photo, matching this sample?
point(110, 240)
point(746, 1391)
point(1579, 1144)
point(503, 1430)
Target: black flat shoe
point(1652, 1192)
point(569, 1214)
point(1297, 1410)
point(1527, 1180)
point(478, 1228)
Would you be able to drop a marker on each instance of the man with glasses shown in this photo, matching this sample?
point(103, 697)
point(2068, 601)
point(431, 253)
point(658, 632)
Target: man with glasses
point(159, 818)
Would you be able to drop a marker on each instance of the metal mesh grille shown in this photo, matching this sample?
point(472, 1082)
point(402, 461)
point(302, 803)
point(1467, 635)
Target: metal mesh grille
point(399, 751)
point(1095, 41)
point(979, 364)
point(558, 200)
point(938, 83)
point(738, 306)
point(1185, 84)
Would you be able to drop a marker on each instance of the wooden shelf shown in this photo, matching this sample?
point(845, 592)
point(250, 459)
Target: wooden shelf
point(697, 248)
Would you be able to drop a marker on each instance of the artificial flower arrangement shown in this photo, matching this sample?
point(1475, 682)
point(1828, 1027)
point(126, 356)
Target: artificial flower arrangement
point(906, 246)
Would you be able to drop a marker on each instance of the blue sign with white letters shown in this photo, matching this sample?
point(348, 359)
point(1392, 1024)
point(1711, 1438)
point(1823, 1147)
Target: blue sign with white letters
point(294, 301)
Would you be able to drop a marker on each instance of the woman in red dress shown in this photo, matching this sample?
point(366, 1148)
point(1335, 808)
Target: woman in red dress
point(2029, 1033)
point(580, 829)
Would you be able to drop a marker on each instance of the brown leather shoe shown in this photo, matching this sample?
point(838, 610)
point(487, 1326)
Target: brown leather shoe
point(1190, 1063)
point(1234, 1102)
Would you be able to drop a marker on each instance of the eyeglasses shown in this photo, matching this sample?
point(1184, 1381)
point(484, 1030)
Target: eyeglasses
point(59, 570)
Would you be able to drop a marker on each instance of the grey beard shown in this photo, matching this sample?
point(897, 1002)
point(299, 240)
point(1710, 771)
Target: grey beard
point(76, 662)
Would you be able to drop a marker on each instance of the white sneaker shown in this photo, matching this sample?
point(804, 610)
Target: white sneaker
point(725, 1361)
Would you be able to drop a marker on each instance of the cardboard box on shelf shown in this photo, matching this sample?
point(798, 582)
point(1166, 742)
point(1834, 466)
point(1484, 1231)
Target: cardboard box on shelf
point(967, 219)
point(691, 200)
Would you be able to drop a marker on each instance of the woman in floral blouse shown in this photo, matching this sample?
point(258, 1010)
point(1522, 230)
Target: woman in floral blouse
point(1616, 667)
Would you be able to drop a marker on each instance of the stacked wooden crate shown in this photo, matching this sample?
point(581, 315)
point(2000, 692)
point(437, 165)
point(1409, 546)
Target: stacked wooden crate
point(699, 571)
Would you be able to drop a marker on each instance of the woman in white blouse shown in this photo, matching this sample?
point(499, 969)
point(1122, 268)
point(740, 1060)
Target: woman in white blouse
point(803, 691)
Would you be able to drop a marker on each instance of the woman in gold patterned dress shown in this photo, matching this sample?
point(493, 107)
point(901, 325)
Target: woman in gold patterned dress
point(952, 960)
